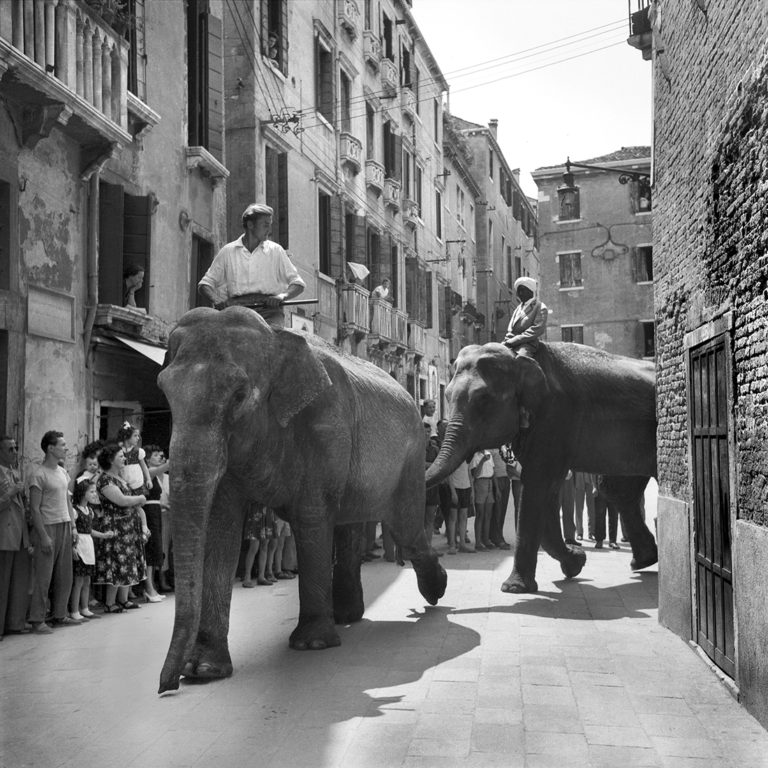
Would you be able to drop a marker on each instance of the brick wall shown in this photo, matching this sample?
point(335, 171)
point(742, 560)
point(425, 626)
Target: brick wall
point(711, 216)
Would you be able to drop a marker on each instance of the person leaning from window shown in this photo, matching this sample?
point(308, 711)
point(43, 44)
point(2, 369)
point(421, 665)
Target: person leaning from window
point(383, 291)
point(252, 270)
point(529, 320)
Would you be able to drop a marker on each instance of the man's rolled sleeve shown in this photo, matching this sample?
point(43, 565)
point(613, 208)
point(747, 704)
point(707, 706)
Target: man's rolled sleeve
point(290, 273)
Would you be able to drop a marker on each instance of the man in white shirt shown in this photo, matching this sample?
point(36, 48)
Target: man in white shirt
point(253, 271)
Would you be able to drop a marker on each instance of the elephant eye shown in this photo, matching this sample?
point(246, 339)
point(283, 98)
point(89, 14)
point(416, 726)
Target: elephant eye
point(239, 396)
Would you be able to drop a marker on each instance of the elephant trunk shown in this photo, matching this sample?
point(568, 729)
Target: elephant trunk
point(198, 462)
point(453, 450)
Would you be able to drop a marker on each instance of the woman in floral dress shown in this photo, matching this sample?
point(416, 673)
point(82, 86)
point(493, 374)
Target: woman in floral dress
point(120, 560)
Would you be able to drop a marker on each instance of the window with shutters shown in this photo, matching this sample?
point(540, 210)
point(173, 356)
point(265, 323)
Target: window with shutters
point(570, 269)
point(350, 233)
point(388, 46)
point(438, 215)
point(490, 163)
point(416, 290)
point(345, 87)
point(407, 169)
point(137, 55)
point(642, 258)
point(436, 121)
point(324, 231)
point(200, 260)
point(370, 132)
point(323, 79)
point(405, 66)
point(124, 242)
point(394, 271)
point(417, 191)
point(276, 192)
point(204, 79)
point(573, 333)
point(428, 301)
point(274, 33)
point(416, 86)
point(510, 269)
point(444, 294)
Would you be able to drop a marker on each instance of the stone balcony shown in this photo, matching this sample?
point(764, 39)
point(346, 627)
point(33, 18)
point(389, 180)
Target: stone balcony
point(408, 102)
point(62, 66)
point(417, 338)
point(372, 49)
point(374, 176)
point(392, 193)
point(389, 326)
point(389, 78)
point(351, 151)
point(411, 213)
point(349, 17)
point(354, 308)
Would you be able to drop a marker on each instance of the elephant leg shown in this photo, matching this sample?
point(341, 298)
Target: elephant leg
point(314, 535)
point(349, 542)
point(626, 493)
point(571, 557)
point(210, 659)
point(538, 508)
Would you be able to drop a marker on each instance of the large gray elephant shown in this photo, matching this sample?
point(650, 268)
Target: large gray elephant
point(589, 411)
point(277, 417)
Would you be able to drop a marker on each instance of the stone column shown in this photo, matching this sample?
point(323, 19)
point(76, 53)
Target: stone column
point(97, 41)
point(79, 63)
point(88, 63)
point(106, 80)
point(18, 30)
point(66, 45)
point(6, 21)
point(50, 35)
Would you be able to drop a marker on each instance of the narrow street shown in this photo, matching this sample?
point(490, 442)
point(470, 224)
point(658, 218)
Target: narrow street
point(580, 674)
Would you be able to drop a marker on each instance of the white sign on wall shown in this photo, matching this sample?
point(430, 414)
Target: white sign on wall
point(50, 314)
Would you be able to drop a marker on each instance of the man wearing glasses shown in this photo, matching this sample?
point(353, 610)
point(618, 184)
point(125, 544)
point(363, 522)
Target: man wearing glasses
point(14, 541)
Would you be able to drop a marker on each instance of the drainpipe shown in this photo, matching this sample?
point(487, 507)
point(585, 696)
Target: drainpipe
point(92, 263)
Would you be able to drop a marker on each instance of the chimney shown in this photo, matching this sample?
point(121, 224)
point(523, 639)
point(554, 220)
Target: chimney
point(493, 125)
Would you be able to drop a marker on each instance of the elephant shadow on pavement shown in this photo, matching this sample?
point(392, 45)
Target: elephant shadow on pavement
point(579, 600)
point(377, 670)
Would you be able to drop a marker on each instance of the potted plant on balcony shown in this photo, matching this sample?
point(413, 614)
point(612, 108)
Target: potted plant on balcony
point(113, 12)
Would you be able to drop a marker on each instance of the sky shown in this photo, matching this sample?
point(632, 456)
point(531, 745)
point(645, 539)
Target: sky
point(588, 106)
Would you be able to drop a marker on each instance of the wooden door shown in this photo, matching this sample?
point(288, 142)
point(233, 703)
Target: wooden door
point(709, 406)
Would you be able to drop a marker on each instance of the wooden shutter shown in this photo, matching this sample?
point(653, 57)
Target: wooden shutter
point(394, 276)
point(283, 36)
point(385, 258)
point(137, 212)
point(337, 240)
point(110, 244)
point(441, 311)
point(215, 85)
point(264, 13)
point(361, 246)
point(428, 307)
point(411, 287)
point(397, 157)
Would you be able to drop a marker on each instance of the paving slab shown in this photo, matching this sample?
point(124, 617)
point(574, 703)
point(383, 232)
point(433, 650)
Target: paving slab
point(580, 674)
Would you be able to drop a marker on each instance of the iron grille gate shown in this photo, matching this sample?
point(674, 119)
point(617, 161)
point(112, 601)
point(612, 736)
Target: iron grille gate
point(712, 523)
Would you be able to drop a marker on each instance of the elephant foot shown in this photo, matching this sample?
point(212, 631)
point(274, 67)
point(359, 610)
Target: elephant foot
point(207, 670)
point(348, 612)
point(520, 585)
point(431, 577)
point(314, 634)
point(645, 558)
point(573, 562)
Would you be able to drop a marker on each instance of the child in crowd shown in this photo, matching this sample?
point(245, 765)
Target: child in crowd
point(259, 532)
point(84, 499)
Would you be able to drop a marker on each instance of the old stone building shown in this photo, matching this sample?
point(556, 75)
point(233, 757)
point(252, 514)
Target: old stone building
point(108, 167)
point(596, 253)
point(505, 227)
point(710, 69)
point(335, 113)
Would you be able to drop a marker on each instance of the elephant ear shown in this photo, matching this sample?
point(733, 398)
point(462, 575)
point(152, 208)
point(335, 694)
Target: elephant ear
point(530, 383)
point(300, 377)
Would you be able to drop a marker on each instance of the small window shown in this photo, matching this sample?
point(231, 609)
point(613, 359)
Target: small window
point(345, 85)
point(649, 338)
point(573, 333)
point(418, 189)
point(569, 203)
point(438, 215)
point(370, 132)
point(490, 163)
point(324, 231)
point(643, 263)
point(570, 270)
point(323, 80)
point(274, 32)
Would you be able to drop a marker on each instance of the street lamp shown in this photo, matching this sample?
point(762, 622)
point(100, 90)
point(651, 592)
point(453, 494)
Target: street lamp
point(625, 176)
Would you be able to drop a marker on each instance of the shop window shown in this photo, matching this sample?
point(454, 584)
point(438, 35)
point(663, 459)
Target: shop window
point(124, 242)
point(274, 32)
point(276, 192)
point(642, 257)
point(204, 78)
point(569, 203)
point(649, 338)
point(573, 333)
point(200, 261)
point(570, 270)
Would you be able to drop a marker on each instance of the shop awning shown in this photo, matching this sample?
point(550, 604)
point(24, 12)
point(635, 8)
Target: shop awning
point(155, 354)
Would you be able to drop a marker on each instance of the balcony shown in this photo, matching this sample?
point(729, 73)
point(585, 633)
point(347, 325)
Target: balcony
point(641, 29)
point(62, 66)
point(417, 339)
point(351, 151)
point(374, 176)
point(408, 102)
point(411, 213)
point(392, 193)
point(327, 305)
point(389, 326)
point(388, 77)
point(354, 308)
point(372, 49)
point(349, 17)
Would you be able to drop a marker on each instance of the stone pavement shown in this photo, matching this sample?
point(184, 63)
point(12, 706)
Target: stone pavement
point(580, 674)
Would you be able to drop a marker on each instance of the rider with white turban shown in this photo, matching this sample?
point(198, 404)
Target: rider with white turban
point(529, 320)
